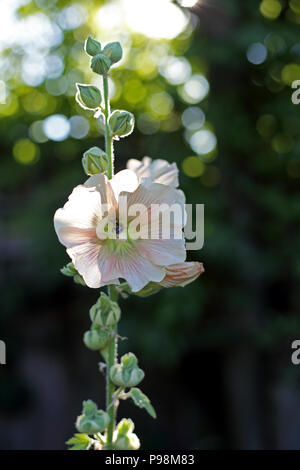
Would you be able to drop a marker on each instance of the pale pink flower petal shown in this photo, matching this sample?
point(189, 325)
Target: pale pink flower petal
point(85, 259)
point(82, 210)
point(158, 199)
point(159, 171)
point(129, 264)
point(125, 180)
point(100, 184)
point(182, 274)
point(162, 252)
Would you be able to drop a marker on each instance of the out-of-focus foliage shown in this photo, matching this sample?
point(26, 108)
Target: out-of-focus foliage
point(210, 89)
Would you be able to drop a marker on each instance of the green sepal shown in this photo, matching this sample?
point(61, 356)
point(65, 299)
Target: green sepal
point(142, 401)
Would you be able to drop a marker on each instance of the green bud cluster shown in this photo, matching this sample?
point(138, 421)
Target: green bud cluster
point(95, 161)
point(91, 420)
point(127, 373)
point(102, 59)
point(104, 315)
point(105, 312)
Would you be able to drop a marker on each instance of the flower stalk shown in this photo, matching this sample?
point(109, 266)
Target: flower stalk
point(108, 138)
point(111, 407)
point(101, 255)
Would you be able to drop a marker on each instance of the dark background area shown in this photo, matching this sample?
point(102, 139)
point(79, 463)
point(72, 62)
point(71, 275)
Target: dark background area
point(217, 354)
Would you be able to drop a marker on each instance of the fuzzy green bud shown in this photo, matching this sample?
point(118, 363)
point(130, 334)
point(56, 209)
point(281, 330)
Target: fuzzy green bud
point(125, 439)
point(96, 338)
point(95, 161)
point(91, 420)
point(127, 373)
point(113, 51)
point(121, 123)
point(100, 64)
point(88, 96)
point(105, 312)
point(92, 47)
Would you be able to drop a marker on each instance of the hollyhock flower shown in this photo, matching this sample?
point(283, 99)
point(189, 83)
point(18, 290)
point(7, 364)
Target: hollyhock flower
point(103, 256)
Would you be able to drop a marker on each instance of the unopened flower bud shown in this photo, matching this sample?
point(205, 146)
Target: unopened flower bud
point(121, 123)
point(127, 373)
point(124, 437)
point(105, 312)
point(100, 64)
point(92, 47)
point(95, 161)
point(96, 339)
point(92, 420)
point(113, 51)
point(88, 96)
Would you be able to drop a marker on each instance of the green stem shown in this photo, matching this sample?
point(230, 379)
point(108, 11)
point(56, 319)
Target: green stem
point(110, 387)
point(113, 293)
point(108, 138)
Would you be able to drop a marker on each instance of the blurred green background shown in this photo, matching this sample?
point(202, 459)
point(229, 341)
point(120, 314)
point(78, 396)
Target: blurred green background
point(209, 83)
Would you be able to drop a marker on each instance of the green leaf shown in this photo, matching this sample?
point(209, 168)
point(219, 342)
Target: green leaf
point(142, 401)
point(79, 442)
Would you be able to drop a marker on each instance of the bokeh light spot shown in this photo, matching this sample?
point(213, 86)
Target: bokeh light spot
point(26, 152)
point(290, 72)
point(134, 91)
point(176, 70)
point(161, 103)
point(257, 53)
point(154, 18)
point(37, 133)
point(193, 166)
point(195, 89)
point(56, 127)
point(270, 9)
point(193, 118)
point(79, 127)
point(148, 124)
point(203, 141)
